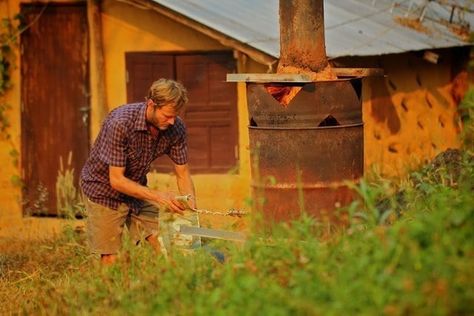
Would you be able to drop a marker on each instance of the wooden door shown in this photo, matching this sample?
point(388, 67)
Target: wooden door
point(54, 99)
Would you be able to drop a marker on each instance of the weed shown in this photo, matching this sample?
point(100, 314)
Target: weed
point(68, 200)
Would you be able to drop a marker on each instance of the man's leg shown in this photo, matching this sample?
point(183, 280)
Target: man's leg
point(145, 225)
point(104, 230)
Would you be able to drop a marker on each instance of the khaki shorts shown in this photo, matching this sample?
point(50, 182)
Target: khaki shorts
point(105, 225)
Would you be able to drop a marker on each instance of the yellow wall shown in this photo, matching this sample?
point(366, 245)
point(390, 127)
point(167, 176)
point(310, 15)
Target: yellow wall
point(409, 116)
point(395, 138)
point(10, 207)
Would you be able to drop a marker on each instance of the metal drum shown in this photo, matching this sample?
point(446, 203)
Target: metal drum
point(304, 153)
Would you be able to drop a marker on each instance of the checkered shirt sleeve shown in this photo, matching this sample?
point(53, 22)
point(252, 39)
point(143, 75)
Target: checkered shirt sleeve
point(179, 149)
point(113, 152)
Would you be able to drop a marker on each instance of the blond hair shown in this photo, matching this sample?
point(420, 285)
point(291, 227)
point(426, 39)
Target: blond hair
point(168, 92)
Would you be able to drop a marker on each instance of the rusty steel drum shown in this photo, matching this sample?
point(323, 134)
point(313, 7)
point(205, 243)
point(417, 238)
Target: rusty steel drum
point(304, 154)
point(315, 101)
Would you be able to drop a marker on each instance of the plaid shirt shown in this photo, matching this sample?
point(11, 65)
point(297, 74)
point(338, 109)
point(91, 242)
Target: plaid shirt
point(125, 141)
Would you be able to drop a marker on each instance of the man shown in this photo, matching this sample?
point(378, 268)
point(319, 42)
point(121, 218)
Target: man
point(114, 176)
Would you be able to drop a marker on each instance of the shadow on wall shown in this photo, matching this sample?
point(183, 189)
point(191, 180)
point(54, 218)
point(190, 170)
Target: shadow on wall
point(412, 114)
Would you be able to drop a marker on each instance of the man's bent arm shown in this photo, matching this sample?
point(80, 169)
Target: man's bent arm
point(119, 182)
point(185, 183)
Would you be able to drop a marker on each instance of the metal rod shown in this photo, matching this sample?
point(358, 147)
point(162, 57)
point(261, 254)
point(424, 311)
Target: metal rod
point(211, 233)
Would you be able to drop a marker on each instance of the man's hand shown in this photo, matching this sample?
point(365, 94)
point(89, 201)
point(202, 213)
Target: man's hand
point(168, 199)
point(119, 182)
point(192, 202)
point(188, 201)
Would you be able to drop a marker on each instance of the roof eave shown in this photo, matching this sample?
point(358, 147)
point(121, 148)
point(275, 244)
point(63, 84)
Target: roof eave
point(224, 39)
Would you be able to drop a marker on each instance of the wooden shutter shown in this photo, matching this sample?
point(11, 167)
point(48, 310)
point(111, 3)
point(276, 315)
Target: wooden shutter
point(210, 115)
point(142, 70)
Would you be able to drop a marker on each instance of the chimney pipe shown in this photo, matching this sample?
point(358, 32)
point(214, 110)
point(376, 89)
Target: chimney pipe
point(302, 44)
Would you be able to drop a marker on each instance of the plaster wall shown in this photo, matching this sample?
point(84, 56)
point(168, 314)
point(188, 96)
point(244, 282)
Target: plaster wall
point(409, 116)
point(10, 190)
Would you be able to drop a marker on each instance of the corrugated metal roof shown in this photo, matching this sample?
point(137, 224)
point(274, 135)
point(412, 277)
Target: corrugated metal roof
point(353, 27)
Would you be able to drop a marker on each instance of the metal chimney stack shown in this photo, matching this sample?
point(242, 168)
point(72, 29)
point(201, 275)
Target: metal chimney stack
point(302, 43)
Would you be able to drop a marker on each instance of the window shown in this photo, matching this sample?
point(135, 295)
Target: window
point(210, 115)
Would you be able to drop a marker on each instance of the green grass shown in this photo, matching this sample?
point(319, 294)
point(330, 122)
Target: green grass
point(418, 259)
point(408, 250)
